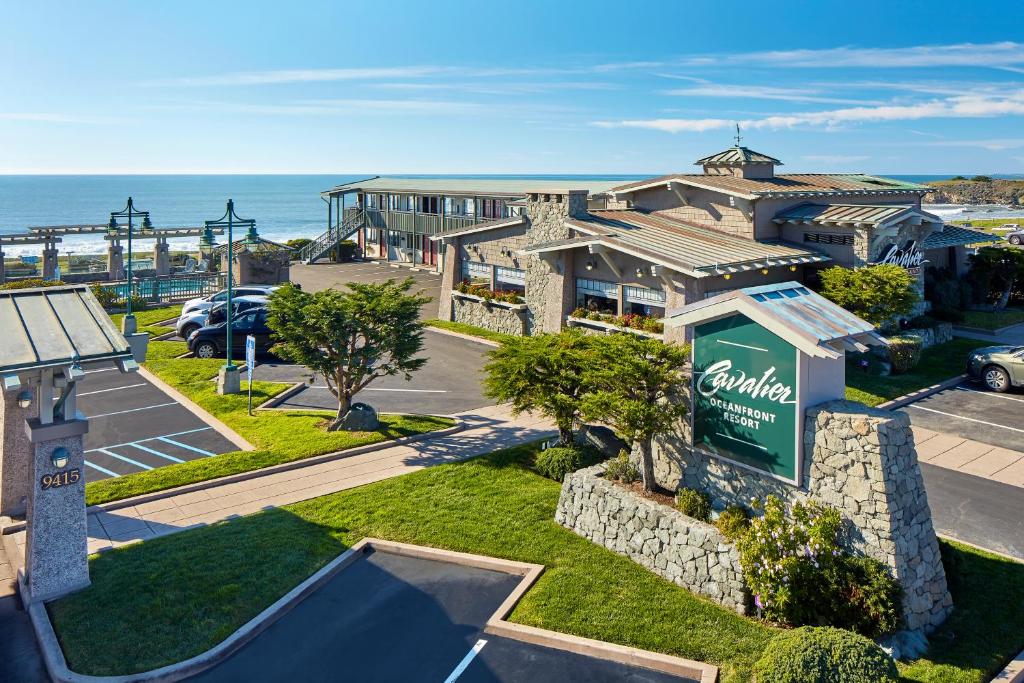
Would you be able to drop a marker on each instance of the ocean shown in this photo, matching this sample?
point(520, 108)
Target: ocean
point(284, 206)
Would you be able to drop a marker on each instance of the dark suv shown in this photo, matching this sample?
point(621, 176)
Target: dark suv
point(211, 341)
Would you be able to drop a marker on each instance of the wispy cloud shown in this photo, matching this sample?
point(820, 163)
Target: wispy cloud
point(500, 88)
point(302, 76)
point(348, 107)
point(995, 145)
point(762, 92)
point(1002, 54)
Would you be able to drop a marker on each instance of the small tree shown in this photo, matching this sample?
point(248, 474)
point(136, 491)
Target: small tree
point(997, 271)
point(349, 337)
point(876, 293)
point(544, 373)
point(634, 385)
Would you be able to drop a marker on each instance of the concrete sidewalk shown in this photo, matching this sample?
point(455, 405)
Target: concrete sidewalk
point(487, 429)
point(970, 457)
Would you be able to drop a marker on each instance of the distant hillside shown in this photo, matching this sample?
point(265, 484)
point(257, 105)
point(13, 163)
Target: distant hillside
point(1006, 192)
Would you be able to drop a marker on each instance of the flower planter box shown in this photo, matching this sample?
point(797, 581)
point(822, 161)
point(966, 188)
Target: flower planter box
point(496, 316)
point(609, 328)
point(492, 302)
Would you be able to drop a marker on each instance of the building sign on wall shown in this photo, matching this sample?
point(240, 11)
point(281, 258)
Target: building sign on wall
point(909, 256)
point(745, 396)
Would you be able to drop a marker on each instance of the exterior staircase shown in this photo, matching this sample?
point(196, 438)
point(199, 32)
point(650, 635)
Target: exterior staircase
point(323, 244)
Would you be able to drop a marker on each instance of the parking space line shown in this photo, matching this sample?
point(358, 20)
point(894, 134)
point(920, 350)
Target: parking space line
point(152, 438)
point(125, 459)
point(103, 391)
point(185, 446)
point(466, 661)
point(135, 410)
point(89, 372)
point(992, 394)
point(155, 452)
point(104, 470)
point(969, 419)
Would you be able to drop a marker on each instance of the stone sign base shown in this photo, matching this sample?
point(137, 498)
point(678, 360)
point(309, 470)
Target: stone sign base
point(686, 551)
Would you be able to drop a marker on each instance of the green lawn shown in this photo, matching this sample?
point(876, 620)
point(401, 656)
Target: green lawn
point(146, 320)
point(986, 224)
point(182, 594)
point(279, 436)
point(937, 364)
point(993, 320)
point(471, 330)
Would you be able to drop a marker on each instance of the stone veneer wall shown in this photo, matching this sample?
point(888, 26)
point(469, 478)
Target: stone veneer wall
point(547, 293)
point(495, 317)
point(859, 460)
point(686, 551)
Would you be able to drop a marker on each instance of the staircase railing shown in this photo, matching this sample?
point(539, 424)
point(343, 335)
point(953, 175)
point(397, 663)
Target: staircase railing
point(323, 244)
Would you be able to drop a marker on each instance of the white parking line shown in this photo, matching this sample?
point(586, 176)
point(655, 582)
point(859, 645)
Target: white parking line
point(104, 470)
point(127, 460)
point(969, 419)
point(155, 452)
point(185, 446)
point(103, 391)
point(992, 394)
point(135, 410)
point(152, 438)
point(89, 372)
point(466, 661)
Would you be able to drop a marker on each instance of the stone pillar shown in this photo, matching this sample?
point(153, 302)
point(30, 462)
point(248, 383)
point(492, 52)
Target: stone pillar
point(161, 257)
point(56, 547)
point(451, 274)
point(49, 260)
point(15, 452)
point(549, 278)
point(115, 260)
point(863, 462)
point(3, 274)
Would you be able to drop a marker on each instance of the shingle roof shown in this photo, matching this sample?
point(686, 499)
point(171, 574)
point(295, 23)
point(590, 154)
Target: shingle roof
point(511, 187)
point(792, 185)
point(804, 318)
point(953, 236)
point(687, 248)
point(483, 226)
point(738, 155)
point(51, 326)
point(861, 214)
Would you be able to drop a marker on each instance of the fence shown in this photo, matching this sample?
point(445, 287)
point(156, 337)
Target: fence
point(168, 288)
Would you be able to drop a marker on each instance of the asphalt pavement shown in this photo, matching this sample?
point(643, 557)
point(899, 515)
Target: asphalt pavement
point(325, 275)
point(388, 617)
point(971, 412)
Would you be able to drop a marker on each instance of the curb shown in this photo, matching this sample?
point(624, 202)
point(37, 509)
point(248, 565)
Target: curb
point(461, 335)
point(906, 399)
point(57, 666)
point(198, 411)
point(982, 330)
point(280, 398)
point(1014, 671)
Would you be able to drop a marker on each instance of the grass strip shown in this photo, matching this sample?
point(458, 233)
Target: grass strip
point(146, 320)
point(993, 320)
point(471, 330)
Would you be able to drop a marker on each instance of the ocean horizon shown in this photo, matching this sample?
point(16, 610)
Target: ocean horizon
point(285, 206)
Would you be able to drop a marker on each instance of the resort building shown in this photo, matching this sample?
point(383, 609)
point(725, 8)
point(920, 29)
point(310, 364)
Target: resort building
point(535, 256)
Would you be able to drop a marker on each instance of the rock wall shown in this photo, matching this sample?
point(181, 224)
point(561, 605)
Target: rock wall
point(549, 287)
point(687, 552)
point(494, 317)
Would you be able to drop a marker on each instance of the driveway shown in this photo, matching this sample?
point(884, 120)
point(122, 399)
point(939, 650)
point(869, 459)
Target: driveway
point(970, 412)
point(318, 276)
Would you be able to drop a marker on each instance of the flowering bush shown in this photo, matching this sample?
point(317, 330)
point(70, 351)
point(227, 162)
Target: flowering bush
point(489, 295)
point(635, 321)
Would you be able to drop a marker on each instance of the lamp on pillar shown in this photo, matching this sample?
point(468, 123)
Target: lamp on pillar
point(227, 379)
point(128, 325)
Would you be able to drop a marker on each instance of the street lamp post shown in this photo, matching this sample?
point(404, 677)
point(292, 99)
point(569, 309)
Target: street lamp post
point(128, 325)
point(227, 379)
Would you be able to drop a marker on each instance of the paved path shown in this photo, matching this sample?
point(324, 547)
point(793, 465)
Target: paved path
point(970, 457)
point(1012, 335)
point(487, 429)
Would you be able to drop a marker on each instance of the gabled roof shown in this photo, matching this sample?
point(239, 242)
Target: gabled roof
point(791, 311)
point(738, 155)
point(690, 249)
point(853, 214)
point(954, 236)
point(791, 185)
point(495, 224)
point(54, 326)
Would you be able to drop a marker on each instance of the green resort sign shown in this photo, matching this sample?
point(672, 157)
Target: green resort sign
point(745, 397)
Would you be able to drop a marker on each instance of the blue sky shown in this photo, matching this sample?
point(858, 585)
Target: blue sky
point(511, 87)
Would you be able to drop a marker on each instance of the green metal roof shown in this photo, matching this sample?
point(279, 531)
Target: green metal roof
point(488, 187)
point(738, 155)
point(953, 236)
point(851, 214)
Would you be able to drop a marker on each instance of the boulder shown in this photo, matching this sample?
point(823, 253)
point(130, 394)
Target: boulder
point(360, 418)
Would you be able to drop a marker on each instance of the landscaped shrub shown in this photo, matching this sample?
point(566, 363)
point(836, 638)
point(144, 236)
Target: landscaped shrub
point(948, 315)
point(733, 522)
point(621, 469)
point(346, 249)
point(693, 503)
point(800, 576)
point(824, 655)
point(922, 322)
point(105, 295)
point(555, 463)
point(635, 321)
point(297, 244)
point(904, 353)
point(28, 283)
point(489, 295)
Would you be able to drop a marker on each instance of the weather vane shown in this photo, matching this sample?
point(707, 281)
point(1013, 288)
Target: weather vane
point(738, 138)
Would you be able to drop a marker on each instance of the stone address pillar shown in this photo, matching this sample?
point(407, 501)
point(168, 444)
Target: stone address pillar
point(56, 547)
point(15, 463)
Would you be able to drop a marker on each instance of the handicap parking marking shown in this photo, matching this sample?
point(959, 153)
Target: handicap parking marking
point(466, 661)
point(185, 446)
point(152, 438)
point(123, 458)
point(104, 470)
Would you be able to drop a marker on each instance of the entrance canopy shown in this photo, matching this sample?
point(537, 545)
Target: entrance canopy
point(805, 319)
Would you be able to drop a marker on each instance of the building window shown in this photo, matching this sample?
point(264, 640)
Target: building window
point(510, 279)
point(643, 301)
point(476, 273)
point(371, 235)
point(828, 238)
point(597, 295)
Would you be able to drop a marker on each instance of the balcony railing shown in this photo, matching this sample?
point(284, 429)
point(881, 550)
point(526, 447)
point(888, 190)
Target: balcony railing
point(408, 221)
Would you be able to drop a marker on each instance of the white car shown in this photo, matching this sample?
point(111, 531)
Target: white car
point(204, 303)
point(187, 324)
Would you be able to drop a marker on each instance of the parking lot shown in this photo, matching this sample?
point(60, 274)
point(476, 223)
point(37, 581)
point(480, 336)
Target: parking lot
point(324, 275)
point(391, 617)
point(970, 412)
point(134, 426)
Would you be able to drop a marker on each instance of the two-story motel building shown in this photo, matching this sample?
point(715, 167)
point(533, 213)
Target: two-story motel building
point(640, 247)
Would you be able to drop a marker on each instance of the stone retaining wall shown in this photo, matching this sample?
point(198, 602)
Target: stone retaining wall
point(687, 552)
point(492, 317)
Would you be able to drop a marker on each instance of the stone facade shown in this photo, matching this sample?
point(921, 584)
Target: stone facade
point(859, 460)
point(686, 551)
point(495, 316)
point(549, 299)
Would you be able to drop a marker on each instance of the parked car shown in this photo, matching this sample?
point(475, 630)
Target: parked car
point(211, 341)
point(1016, 237)
point(997, 367)
point(206, 302)
point(187, 324)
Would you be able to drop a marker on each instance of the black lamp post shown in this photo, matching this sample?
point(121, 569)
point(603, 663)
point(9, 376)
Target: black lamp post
point(130, 212)
point(228, 382)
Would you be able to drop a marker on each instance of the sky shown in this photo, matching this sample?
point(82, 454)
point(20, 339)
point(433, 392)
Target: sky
point(899, 87)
